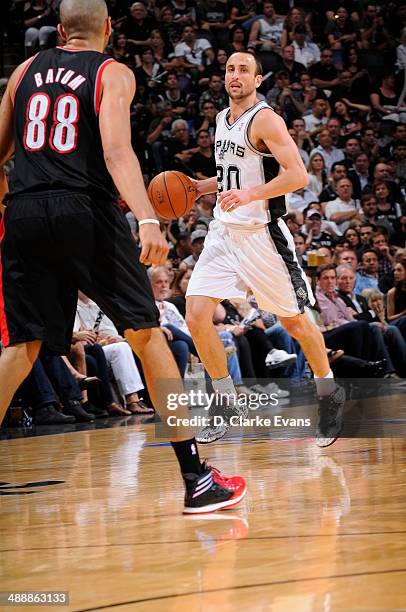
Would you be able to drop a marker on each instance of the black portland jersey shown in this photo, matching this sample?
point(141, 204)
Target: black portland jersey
point(56, 127)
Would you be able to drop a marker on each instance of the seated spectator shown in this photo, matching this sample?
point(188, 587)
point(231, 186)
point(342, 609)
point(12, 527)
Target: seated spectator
point(318, 117)
point(350, 122)
point(37, 392)
point(360, 84)
point(197, 239)
point(205, 205)
point(163, 52)
point(303, 139)
point(238, 38)
point(351, 148)
point(384, 100)
point(382, 173)
point(369, 143)
point(337, 172)
point(306, 52)
point(40, 24)
point(354, 108)
point(317, 173)
point(149, 72)
point(299, 200)
point(172, 94)
point(120, 51)
point(213, 17)
point(215, 93)
point(341, 330)
point(316, 237)
point(193, 53)
point(359, 173)
point(217, 67)
point(88, 358)
point(306, 94)
point(377, 37)
point(387, 209)
point(300, 247)
point(372, 311)
point(178, 290)
point(326, 149)
point(324, 74)
point(242, 11)
point(138, 26)
point(348, 256)
point(335, 129)
point(398, 135)
point(326, 253)
point(118, 353)
point(266, 32)
point(353, 237)
point(367, 277)
point(179, 148)
point(181, 249)
point(396, 299)
point(173, 324)
point(295, 17)
point(203, 163)
point(369, 213)
point(340, 32)
point(386, 261)
point(183, 12)
point(343, 209)
point(398, 238)
point(289, 65)
point(207, 119)
point(365, 233)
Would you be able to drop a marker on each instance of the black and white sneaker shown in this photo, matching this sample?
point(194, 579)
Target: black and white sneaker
point(207, 492)
point(220, 413)
point(331, 410)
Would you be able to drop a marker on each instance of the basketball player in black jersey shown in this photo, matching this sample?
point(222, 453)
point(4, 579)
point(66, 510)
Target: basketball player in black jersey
point(66, 115)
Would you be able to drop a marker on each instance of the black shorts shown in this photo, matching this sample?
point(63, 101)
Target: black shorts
point(53, 244)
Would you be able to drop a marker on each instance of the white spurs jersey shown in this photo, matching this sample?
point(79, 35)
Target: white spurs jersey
point(240, 166)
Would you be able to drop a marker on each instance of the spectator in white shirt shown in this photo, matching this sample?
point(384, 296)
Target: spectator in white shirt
point(118, 353)
point(306, 53)
point(343, 209)
point(325, 148)
point(193, 52)
point(318, 117)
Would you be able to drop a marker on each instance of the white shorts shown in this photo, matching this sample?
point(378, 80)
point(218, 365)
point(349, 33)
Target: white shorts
point(238, 259)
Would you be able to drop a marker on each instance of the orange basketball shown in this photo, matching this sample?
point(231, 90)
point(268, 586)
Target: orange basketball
point(172, 194)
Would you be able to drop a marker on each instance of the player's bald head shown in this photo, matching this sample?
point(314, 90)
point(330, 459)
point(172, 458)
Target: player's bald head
point(83, 16)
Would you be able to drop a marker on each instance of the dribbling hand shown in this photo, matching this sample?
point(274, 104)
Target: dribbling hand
point(154, 248)
point(233, 198)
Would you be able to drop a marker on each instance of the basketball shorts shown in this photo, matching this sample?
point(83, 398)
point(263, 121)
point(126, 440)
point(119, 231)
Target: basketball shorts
point(262, 260)
point(53, 244)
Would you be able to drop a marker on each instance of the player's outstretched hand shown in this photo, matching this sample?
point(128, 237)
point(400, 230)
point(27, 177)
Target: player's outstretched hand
point(154, 248)
point(233, 198)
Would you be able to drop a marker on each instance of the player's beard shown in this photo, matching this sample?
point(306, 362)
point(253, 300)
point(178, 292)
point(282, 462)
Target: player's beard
point(241, 93)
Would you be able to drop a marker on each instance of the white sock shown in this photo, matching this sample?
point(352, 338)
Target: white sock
point(326, 385)
point(224, 386)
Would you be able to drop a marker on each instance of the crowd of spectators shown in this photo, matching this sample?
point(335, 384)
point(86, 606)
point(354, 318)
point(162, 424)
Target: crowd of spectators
point(335, 71)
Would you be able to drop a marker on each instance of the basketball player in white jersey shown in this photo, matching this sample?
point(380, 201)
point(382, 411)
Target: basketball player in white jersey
point(249, 246)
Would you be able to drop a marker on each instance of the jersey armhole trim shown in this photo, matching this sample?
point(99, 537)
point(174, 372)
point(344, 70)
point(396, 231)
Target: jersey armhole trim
point(97, 86)
point(20, 78)
point(247, 140)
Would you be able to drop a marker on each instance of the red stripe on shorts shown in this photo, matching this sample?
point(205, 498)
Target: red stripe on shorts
point(4, 334)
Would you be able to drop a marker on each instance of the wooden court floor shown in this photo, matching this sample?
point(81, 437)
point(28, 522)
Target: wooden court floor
point(319, 530)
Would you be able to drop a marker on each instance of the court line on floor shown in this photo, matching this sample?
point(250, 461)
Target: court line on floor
point(162, 542)
point(240, 587)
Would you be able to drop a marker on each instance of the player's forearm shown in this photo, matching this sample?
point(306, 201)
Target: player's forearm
point(206, 186)
point(126, 173)
point(290, 180)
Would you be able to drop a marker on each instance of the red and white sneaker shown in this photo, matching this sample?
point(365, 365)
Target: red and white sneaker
point(211, 491)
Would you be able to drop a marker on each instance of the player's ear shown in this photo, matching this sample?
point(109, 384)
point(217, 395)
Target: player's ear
point(258, 80)
point(62, 33)
point(108, 27)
